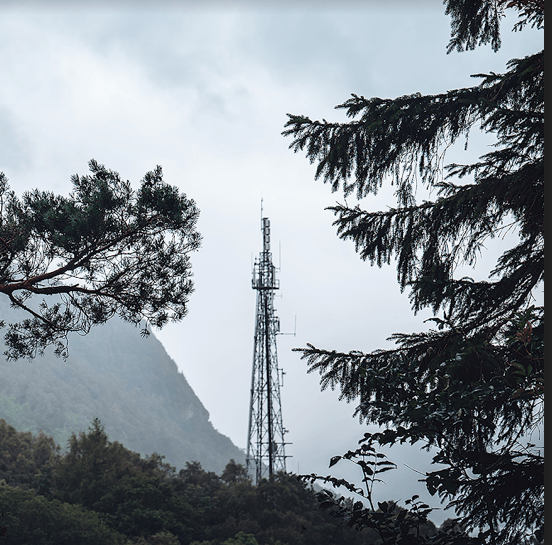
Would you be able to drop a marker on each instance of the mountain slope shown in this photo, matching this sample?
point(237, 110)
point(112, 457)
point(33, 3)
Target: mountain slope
point(128, 382)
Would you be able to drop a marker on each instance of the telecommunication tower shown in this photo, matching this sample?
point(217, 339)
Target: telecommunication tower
point(265, 439)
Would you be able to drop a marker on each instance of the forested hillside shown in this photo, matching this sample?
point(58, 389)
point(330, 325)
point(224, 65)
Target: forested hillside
point(99, 492)
point(128, 382)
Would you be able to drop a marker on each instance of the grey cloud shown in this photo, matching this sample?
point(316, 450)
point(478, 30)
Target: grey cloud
point(14, 148)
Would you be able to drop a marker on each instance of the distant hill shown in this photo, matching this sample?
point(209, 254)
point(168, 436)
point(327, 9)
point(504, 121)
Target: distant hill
point(128, 382)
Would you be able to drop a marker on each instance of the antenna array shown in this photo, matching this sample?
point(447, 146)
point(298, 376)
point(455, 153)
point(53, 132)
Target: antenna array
point(265, 439)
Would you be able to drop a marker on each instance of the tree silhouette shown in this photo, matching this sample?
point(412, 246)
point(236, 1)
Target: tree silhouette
point(472, 387)
point(74, 262)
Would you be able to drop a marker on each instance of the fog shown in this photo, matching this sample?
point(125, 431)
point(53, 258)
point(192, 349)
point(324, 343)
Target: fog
point(204, 92)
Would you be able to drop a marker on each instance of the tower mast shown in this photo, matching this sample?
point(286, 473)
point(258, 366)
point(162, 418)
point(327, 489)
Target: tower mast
point(265, 439)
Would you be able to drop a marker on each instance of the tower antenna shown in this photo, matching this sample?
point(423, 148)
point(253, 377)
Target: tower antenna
point(265, 437)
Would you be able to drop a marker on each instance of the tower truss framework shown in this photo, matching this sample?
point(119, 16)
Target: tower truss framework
point(265, 439)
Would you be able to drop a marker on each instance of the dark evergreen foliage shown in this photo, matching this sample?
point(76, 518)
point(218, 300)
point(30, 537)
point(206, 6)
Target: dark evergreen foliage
point(30, 519)
point(26, 459)
point(104, 250)
point(101, 491)
point(473, 387)
point(477, 22)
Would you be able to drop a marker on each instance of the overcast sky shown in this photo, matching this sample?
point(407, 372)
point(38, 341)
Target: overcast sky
point(204, 92)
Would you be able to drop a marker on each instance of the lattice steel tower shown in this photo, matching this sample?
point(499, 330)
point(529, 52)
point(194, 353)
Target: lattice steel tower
point(265, 438)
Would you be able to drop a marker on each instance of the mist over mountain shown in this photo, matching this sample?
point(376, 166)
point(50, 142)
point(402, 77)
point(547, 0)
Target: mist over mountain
point(130, 383)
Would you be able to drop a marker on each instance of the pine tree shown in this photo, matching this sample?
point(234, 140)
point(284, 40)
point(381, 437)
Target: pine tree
point(74, 262)
point(472, 387)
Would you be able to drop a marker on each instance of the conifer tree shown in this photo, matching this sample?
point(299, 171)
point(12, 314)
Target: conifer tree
point(472, 387)
point(74, 262)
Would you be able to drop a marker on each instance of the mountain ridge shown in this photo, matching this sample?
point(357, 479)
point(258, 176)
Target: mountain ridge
point(129, 382)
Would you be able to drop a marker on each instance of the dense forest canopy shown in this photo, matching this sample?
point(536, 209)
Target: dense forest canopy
point(472, 387)
point(101, 492)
